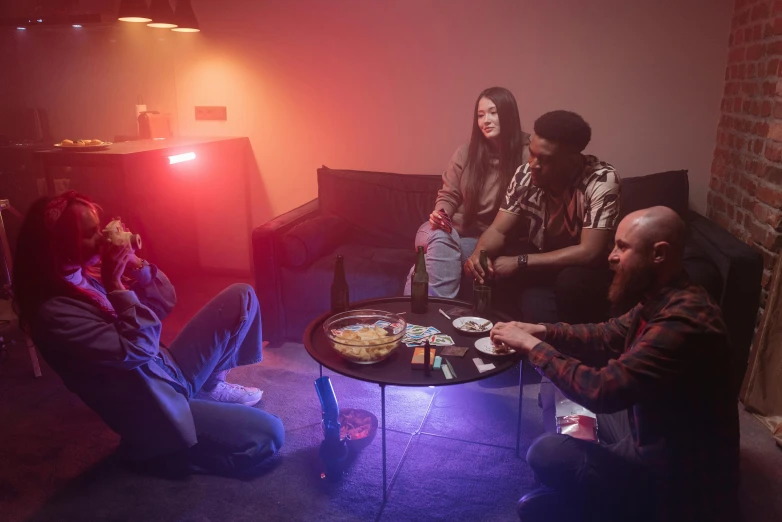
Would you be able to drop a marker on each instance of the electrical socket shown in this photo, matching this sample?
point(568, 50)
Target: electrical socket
point(211, 113)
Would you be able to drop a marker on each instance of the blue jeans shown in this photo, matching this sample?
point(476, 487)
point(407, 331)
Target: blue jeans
point(445, 257)
point(224, 334)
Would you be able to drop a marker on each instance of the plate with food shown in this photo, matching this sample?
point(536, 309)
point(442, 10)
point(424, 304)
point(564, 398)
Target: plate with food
point(83, 145)
point(472, 325)
point(487, 346)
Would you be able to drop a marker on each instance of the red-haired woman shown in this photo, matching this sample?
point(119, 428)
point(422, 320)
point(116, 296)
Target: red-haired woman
point(94, 310)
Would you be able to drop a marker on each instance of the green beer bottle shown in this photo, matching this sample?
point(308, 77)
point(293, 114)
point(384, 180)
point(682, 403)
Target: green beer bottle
point(482, 292)
point(340, 293)
point(419, 288)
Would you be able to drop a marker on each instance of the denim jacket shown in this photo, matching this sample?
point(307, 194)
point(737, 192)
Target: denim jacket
point(116, 364)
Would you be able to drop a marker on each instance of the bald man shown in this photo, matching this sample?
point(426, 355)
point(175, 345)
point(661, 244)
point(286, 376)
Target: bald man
point(659, 379)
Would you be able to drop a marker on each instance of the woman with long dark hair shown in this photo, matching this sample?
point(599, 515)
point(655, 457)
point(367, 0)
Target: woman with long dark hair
point(474, 186)
point(94, 310)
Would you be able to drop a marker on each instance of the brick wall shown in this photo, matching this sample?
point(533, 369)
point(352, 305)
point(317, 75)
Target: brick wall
point(745, 191)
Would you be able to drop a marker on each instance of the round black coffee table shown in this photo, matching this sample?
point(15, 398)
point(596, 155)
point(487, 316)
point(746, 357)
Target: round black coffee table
point(396, 370)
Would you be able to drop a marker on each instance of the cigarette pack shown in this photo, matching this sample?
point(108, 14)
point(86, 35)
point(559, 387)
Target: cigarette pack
point(418, 358)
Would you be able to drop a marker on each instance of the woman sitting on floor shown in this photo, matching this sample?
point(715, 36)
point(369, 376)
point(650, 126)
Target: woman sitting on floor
point(94, 310)
point(473, 188)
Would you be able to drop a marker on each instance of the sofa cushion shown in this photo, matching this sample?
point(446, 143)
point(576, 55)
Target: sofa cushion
point(370, 272)
point(382, 209)
point(669, 189)
point(312, 239)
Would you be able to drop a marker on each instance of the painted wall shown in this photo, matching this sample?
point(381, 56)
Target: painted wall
point(390, 85)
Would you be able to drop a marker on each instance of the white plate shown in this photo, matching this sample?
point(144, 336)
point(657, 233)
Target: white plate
point(460, 322)
point(486, 346)
point(84, 148)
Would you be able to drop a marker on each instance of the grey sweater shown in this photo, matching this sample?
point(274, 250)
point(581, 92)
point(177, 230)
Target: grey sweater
point(451, 197)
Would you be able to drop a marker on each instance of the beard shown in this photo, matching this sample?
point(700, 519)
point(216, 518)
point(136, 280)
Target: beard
point(629, 286)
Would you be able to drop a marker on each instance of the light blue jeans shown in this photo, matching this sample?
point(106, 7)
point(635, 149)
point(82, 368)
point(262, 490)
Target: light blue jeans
point(226, 333)
point(445, 257)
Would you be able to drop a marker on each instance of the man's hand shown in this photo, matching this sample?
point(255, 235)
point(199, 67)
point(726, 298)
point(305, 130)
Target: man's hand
point(472, 267)
point(505, 266)
point(522, 337)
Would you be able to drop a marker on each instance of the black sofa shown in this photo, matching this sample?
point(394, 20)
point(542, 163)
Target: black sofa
point(371, 218)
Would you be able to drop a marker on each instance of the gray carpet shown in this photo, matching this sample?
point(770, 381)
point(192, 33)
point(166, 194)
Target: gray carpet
point(68, 451)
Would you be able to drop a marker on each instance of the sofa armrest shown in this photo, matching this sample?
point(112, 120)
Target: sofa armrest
point(267, 260)
point(742, 269)
point(309, 241)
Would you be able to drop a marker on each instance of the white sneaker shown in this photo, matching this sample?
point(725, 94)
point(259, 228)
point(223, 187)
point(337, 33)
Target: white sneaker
point(233, 393)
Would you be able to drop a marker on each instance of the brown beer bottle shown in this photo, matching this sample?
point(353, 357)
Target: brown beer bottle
point(340, 293)
point(419, 287)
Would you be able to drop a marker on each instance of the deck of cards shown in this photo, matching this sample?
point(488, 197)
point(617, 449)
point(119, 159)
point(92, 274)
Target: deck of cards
point(417, 335)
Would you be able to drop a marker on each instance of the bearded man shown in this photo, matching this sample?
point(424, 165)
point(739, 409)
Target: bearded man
point(658, 378)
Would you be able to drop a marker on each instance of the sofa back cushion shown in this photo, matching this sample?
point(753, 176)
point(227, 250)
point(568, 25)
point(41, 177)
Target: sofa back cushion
point(309, 241)
point(382, 209)
point(669, 189)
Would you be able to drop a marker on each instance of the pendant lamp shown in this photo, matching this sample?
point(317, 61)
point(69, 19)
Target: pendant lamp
point(185, 18)
point(162, 15)
point(133, 11)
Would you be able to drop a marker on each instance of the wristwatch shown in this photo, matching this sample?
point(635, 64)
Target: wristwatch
point(522, 259)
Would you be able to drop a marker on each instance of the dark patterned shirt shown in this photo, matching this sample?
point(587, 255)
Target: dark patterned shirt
point(673, 373)
point(591, 201)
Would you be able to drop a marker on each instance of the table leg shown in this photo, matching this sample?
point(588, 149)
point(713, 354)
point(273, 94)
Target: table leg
point(518, 420)
point(321, 369)
point(383, 420)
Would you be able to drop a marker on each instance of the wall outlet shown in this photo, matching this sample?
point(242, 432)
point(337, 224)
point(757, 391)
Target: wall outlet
point(211, 113)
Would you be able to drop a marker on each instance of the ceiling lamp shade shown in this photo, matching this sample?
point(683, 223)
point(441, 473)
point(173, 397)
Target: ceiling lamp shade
point(133, 11)
point(162, 15)
point(185, 18)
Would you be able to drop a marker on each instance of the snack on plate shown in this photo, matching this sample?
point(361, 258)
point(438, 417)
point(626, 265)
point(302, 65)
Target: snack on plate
point(80, 143)
point(367, 343)
point(355, 424)
point(500, 347)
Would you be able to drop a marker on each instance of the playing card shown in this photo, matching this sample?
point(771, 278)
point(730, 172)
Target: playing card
point(440, 340)
point(457, 351)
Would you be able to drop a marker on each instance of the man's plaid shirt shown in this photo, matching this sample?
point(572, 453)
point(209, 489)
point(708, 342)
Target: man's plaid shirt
point(668, 362)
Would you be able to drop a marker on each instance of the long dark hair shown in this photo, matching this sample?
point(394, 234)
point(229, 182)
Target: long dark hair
point(40, 247)
point(510, 143)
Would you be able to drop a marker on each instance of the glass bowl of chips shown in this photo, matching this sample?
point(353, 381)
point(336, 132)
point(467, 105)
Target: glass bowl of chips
point(365, 336)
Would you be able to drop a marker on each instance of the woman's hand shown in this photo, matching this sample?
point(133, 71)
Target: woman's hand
point(114, 262)
point(438, 219)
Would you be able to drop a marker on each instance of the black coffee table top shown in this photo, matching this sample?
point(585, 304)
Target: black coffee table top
point(396, 369)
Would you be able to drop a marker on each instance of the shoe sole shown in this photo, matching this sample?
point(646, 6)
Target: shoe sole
point(207, 397)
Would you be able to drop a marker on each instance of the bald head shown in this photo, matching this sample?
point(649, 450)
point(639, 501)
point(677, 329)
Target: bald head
point(656, 225)
point(649, 253)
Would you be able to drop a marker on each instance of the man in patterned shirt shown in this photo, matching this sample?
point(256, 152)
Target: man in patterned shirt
point(659, 380)
point(567, 207)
